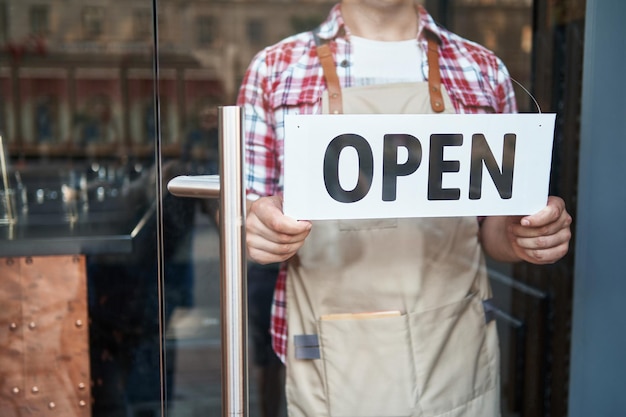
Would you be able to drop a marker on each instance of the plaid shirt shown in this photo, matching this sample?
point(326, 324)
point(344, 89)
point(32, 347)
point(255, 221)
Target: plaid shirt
point(286, 78)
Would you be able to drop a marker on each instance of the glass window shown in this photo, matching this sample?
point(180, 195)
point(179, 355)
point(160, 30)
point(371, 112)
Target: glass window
point(39, 19)
point(90, 140)
point(206, 30)
point(255, 31)
point(301, 23)
point(4, 29)
point(503, 27)
point(93, 21)
point(77, 133)
point(142, 24)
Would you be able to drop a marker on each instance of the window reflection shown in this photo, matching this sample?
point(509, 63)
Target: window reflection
point(45, 118)
point(80, 122)
point(3, 22)
point(207, 30)
point(93, 21)
point(142, 24)
point(39, 19)
point(256, 32)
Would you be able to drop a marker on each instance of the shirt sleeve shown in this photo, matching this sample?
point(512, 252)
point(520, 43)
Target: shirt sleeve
point(262, 171)
point(504, 90)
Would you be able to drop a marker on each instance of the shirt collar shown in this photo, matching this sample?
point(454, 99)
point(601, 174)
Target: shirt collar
point(427, 23)
point(334, 25)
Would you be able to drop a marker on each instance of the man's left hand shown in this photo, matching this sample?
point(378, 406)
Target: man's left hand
point(541, 238)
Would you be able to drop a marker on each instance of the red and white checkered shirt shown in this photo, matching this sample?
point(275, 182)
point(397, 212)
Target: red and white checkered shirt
point(286, 78)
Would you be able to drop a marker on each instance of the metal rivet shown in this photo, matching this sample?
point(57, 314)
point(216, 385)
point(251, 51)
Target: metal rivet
point(13, 326)
point(79, 323)
point(335, 95)
point(15, 390)
point(32, 325)
point(35, 389)
point(437, 104)
point(435, 88)
point(82, 403)
point(51, 405)
point(336, 112)
point(81, 385)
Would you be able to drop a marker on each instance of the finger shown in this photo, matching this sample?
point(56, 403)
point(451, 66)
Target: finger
point(285, 227)
point(279, 243)
point(553, 210)
point(265, 245)
point(549, 220)
point(546, 255)
point(267, 251)
point(263, 258)
point(270, 235)
point(519, 231)
point(270, 213)
point(543, 242)
point(278, 229)
point(562, 222)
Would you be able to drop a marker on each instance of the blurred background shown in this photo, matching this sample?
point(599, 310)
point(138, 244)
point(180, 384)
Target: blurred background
point(110, 285)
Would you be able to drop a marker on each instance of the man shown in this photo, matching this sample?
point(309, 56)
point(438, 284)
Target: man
point(382, 318)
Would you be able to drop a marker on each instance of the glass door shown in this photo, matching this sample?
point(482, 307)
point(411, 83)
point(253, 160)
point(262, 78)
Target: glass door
point(204, 47)
point(111, 284)
point(80, 253)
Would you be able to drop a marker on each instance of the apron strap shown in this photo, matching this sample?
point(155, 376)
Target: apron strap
point(335, 104)
point(434, 76)
point(325, 55)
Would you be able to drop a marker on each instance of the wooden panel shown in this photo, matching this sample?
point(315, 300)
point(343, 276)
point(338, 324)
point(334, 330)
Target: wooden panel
point(45, 354)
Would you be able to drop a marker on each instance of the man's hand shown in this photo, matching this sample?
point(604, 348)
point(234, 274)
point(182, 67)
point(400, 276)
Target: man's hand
point(542, 238)
point(270, 235)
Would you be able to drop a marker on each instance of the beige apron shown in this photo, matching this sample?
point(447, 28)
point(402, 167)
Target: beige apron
point(386, 316)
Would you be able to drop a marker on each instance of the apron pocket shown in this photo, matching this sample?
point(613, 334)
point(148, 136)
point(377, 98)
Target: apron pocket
point(455, 353)
point(368, 366)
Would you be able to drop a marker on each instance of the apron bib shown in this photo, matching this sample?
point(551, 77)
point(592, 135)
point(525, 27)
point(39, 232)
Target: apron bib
point(385, 316)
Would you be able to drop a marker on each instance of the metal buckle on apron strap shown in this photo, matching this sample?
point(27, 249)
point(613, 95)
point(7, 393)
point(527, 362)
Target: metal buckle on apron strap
point(307, 346)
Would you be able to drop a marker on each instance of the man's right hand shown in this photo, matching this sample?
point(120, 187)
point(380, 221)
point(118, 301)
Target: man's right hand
point(270, 235)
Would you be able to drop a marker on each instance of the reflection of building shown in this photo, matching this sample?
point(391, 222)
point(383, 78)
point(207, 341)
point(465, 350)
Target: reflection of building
point(68, 52)
point(504, 26)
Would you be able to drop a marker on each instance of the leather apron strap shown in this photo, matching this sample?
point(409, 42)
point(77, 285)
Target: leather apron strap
point(434, 77)
point(335, 103)
point(332, 81)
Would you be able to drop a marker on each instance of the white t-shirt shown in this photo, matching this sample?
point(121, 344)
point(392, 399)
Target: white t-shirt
point(379, 62)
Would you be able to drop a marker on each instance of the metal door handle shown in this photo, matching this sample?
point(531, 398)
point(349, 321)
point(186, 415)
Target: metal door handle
point(228, 187)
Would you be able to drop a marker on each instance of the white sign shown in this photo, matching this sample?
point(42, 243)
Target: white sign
point(386, 166)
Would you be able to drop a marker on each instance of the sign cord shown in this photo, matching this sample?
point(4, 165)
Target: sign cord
point(528, 92)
